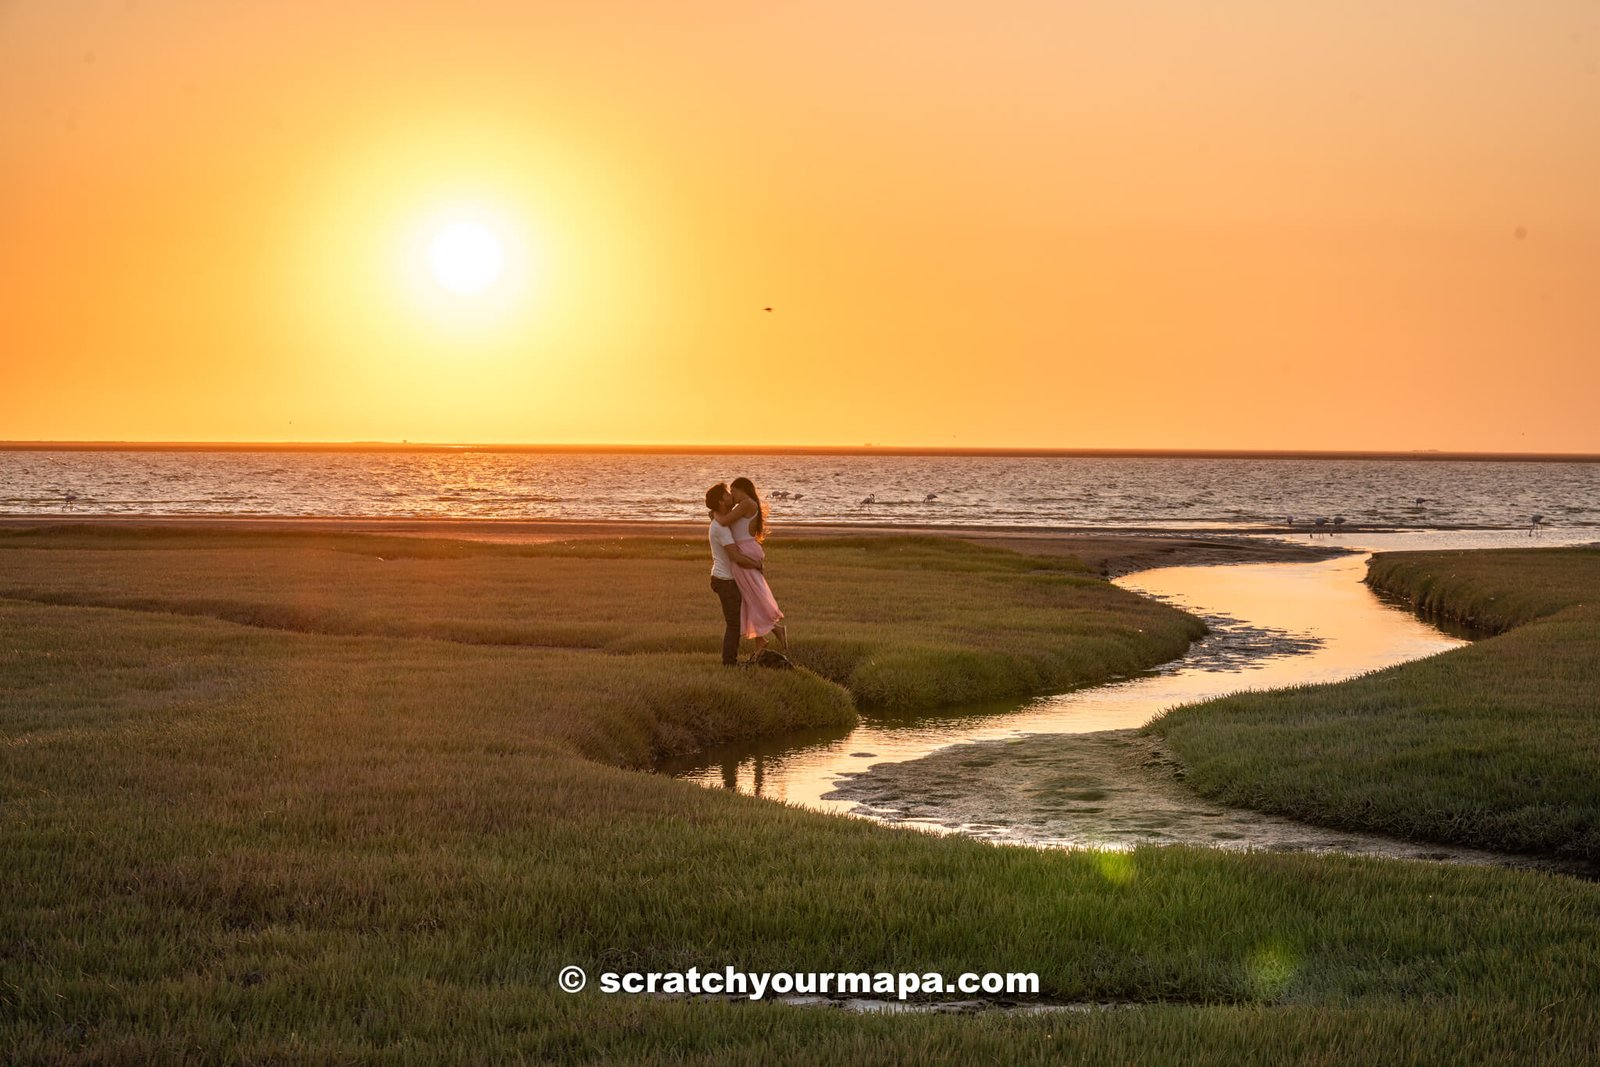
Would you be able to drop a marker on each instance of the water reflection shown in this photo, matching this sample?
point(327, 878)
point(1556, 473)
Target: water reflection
point(1083, 491)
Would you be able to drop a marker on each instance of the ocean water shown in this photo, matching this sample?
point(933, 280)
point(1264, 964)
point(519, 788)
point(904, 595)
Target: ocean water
point(1175, 493)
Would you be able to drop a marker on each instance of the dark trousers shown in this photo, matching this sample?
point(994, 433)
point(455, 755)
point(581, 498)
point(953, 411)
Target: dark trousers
point(727, 591)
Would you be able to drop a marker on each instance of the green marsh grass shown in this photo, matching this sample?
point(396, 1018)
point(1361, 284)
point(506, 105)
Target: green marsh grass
point(907, 622)
point(1495, 745)
point(255, 843)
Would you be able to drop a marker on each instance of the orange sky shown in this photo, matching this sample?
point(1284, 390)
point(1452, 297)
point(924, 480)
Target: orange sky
point(1364, 225)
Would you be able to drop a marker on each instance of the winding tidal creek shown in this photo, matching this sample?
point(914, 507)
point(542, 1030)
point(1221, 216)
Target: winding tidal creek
point(1070, 770)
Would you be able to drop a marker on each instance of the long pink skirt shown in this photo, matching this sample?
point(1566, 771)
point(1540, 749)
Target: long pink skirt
point(758, 612)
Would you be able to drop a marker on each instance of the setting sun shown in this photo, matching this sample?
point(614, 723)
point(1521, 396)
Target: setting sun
point(466, 257)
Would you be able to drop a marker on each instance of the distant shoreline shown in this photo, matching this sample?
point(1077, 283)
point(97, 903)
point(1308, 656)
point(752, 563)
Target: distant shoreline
point(520, 528)
point(797, 450)
point(534, 528)
point(1110, 552)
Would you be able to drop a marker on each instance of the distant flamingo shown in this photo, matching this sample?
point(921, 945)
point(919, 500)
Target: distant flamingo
point(930, 498)
point(1533, 523)
point(67, 500)
point(870, 498)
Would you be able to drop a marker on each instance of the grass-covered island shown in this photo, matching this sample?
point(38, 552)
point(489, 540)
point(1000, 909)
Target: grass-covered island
point(344, 799)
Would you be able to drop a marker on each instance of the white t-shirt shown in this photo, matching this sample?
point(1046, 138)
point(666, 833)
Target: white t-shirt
point(721, 538)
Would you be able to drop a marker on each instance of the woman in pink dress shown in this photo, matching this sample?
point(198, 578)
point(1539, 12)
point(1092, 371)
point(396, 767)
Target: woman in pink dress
point(759, 614)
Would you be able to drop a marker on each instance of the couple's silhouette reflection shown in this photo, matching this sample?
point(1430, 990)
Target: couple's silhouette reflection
point(730, 775)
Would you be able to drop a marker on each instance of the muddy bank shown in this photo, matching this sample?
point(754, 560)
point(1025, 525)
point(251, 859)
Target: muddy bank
point(1110, 789)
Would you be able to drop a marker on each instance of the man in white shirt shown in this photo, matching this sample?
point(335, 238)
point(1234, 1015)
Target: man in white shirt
point(724, 557)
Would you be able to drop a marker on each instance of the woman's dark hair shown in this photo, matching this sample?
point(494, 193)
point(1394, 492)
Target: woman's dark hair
point(758, 522)
point(714, 496)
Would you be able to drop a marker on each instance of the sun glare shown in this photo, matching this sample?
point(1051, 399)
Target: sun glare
point(471, 268)
point(466, 257)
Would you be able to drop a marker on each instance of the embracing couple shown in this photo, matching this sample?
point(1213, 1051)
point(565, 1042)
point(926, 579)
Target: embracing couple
point(738, 526)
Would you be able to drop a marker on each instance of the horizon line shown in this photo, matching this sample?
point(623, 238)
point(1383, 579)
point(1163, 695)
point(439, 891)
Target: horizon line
point(798, 450)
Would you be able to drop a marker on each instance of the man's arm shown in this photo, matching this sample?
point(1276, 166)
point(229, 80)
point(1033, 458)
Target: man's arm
point(741, 559)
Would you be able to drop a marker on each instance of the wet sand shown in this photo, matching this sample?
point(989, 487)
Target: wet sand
point(1111, 553)
point(1110, 789)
